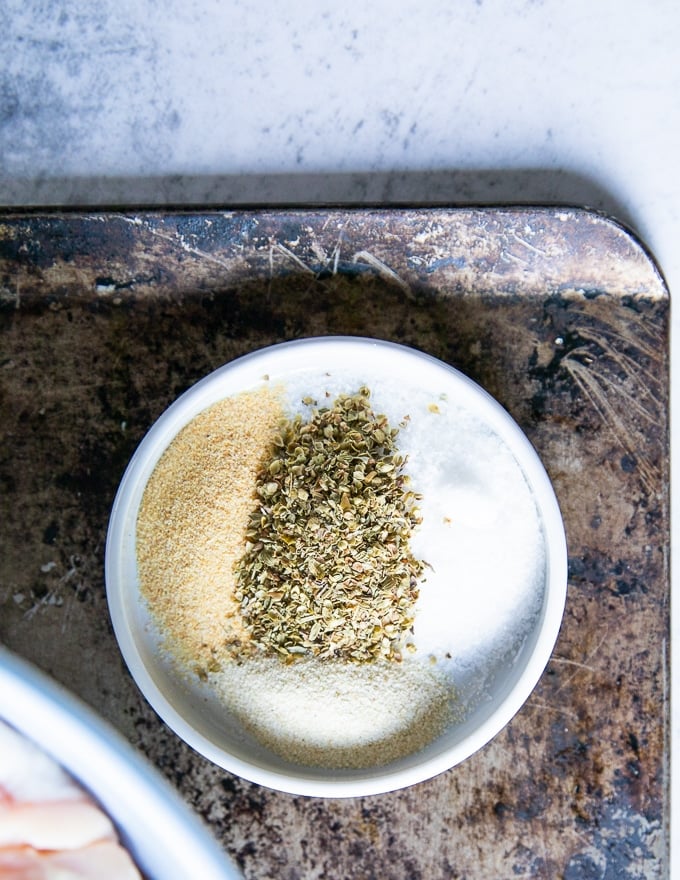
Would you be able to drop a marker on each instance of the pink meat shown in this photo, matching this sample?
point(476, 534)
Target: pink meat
point(53, 824)
point(50, 829)
point(100, 861)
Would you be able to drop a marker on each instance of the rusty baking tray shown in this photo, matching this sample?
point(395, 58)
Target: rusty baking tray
point(560, 314)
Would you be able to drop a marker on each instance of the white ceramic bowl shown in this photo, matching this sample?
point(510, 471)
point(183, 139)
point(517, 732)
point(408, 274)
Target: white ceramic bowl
point(400, 378)
point(164, 837)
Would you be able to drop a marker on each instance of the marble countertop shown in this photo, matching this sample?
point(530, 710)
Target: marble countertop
point(207, 104)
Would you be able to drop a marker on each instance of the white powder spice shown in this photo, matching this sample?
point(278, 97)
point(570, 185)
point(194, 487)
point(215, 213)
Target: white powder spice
point(335, 714)
point(481, 535)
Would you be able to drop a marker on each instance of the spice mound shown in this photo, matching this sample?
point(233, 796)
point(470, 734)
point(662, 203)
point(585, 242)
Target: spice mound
point(327, 569)
point(336, 714)
point(192, 523)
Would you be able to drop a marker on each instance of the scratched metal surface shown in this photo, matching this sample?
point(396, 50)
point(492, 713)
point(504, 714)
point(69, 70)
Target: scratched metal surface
point(561, 315)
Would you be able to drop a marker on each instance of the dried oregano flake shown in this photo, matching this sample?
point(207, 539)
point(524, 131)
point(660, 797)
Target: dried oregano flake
point(327, 570)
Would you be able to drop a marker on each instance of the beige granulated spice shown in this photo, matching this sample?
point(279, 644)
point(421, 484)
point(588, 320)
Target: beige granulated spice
point(192, 522)
point(339, 714)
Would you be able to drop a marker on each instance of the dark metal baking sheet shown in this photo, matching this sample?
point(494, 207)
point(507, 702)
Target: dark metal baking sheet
point(561, 314)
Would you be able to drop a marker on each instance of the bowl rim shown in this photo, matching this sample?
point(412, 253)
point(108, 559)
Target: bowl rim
point(198, 397)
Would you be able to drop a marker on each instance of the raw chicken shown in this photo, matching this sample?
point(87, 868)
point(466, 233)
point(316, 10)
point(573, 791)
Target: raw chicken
point(50, 829)
point(58, 824)
point(105, 860)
